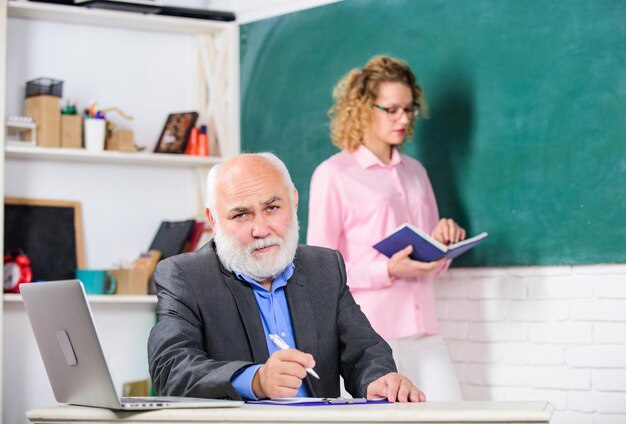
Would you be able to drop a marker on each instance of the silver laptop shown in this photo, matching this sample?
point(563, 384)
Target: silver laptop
point(68, 342)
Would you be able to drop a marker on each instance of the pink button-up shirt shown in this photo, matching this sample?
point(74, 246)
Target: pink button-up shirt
point(355, 201)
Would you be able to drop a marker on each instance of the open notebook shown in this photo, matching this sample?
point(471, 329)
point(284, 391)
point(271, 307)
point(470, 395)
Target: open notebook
point(72, 355)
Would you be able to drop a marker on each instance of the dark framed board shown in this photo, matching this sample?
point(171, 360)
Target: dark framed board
point(49, 232)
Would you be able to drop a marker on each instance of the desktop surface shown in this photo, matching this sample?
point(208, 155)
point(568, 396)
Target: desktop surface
point(513, 412)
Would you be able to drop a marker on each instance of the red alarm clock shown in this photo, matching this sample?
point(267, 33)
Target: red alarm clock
point(16, 271)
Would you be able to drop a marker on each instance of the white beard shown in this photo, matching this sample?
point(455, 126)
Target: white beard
point(240, 259)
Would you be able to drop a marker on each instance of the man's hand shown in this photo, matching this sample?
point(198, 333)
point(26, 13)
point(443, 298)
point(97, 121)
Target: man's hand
point(395, 388)
point(282, 374)
point(400, 265)
point(447, 231)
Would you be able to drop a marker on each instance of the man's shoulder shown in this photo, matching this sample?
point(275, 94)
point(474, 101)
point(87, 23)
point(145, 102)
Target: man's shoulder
point(188, 272)
point(315, 255)
point(308, 250)
point(322, 268)
point(201, 257)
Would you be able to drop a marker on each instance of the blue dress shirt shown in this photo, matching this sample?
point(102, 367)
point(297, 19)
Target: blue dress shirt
point(276, 319)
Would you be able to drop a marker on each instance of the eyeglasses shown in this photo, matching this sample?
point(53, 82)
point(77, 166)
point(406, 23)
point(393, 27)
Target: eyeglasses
point(394, 113)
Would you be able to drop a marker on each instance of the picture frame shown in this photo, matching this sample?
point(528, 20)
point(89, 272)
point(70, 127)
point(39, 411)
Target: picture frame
point(175, 133)
point(49, 232)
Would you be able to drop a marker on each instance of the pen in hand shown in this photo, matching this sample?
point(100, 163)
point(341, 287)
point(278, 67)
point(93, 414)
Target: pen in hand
point(280, 343)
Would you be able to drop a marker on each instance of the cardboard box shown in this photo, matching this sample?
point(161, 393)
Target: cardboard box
point(136, 280)
point(121, 140)
point(139, 388)
point(131, 280)
point(46, 112)
point(71, 131)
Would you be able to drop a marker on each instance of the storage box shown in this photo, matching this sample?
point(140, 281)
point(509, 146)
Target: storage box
point(139, 388)
point(121, 140)
point(71, 131)
point(131, 280)
point(44, 87)
point(46, 112)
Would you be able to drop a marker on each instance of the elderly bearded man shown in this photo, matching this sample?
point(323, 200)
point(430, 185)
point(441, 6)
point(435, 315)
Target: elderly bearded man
point(218, 306)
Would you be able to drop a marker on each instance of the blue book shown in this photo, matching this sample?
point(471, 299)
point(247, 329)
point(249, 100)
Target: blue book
point(425, 247)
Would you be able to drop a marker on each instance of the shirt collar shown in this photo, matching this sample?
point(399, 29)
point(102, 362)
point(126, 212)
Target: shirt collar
point(366, 158)
point(279, 281)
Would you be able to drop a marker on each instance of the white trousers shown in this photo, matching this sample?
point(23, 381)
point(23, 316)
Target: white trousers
point(426, 362)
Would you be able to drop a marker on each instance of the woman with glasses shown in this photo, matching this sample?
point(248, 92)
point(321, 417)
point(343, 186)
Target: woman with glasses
point(363, 193)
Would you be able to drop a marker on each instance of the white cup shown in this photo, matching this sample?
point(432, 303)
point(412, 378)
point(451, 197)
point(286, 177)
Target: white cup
point(94, 130)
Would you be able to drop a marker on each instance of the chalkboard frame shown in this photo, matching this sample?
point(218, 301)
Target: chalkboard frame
point(47, 203)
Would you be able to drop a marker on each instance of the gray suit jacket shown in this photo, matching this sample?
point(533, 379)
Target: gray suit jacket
point(209, 327)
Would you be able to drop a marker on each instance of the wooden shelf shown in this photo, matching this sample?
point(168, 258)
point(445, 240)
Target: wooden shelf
point(81, 155)
point(115, 18)
point(148, 298)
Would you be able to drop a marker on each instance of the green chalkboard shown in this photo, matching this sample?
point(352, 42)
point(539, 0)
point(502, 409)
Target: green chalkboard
point(527, 134)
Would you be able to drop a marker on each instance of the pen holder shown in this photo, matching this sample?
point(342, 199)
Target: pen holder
point(71, 131)
point(130, 280)
point(94, 130)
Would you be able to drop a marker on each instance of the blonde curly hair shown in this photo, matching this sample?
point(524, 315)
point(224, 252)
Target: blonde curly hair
point(356, 93)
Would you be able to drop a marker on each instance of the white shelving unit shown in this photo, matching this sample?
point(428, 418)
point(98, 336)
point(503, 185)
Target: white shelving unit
point(124, 196)
point(103, 17)
point(82, 156)
point(3, 42)
point(218, 46)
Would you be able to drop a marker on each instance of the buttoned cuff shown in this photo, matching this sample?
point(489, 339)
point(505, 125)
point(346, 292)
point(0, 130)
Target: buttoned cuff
point(379, 274)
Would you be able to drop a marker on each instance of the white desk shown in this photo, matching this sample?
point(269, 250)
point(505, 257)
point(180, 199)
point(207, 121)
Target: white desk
point(514, 412)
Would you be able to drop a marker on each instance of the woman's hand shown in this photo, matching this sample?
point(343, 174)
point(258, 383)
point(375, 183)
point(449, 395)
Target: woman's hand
point(400, 265)
point(447, 231)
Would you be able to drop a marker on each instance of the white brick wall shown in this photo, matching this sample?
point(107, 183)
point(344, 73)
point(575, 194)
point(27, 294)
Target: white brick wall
point(550, 333)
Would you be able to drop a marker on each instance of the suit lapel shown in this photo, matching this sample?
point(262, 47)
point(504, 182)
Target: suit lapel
point(302, 320)
point(249, 313)
point(300, 308)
